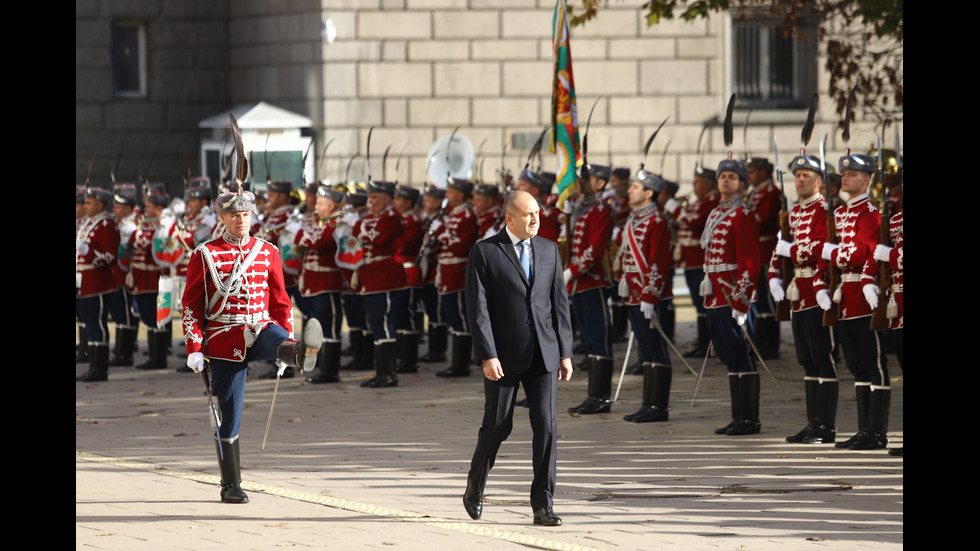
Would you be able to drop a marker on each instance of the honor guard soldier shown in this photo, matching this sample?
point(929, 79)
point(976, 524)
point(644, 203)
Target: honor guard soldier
point(646, 289)
point(895, 257)
point(127, 324)
point(381, 281)
point(456, 236)
point(764, 202)
point(438, 332)
point(280, 219)
point(814, 346)
point(261, 210)
point(195, 227)
point(96, 247)
point(81, 349)
point(236, 310)
point(731, 265)
point(539, 186)
point(410, 243)
point(321, 282)
point(617, 197)
point(586, 278)
point(644, 257)
point(858, 225)
point(690, 226)
point(360, 338)
point(670, 206)
point(486, 207)
point(144, 278)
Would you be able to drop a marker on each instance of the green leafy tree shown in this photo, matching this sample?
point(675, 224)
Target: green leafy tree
point(862, 39)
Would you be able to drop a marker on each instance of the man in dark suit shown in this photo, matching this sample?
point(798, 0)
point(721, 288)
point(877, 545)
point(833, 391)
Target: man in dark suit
point(517, 309)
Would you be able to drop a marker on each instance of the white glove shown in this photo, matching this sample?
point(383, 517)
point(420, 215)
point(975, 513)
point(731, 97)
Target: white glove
point(293, 227)
point(434, 227)
point(195, 361)
point(350, 219)
point(568, 275)
point(828, 249)
point(784, 248)
point(568, 206)
point(615, 234)
point(870, 291)
point(671, 205)
point(776, 289)
point(647, 309)
point(341, 232)
point(823, 299)
point(883, 253)
point(282, 368)
point(563, 231)
point(739, 317)
point(81, 247)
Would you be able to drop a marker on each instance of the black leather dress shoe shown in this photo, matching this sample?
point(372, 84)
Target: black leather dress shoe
point(473, 503)
point(546, 517)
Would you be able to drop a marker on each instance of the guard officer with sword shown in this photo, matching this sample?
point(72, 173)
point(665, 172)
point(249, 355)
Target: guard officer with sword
point(236, 310)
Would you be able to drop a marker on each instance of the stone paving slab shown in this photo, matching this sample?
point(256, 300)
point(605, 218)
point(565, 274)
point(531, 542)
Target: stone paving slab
point(353, 468)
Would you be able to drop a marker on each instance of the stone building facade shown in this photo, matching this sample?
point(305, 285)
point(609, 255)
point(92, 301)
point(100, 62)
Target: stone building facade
point(417, 69)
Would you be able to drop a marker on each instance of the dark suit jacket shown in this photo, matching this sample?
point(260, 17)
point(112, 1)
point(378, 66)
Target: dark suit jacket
point(505, 313)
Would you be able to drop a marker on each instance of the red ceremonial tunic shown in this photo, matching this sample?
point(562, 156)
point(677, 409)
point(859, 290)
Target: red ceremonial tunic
point(488, 220)
point(592, 225)
point(381, 235)
point(645, 256)
point(409, 244)
point(220, 304)
point(690, 225)
point(457, 235)
point(93, 270)
point(897, 264)
point(764, 202)
point(144, 273)
point(549, 222)
point(858, 231)
point(808, 232)
point(319, 273)
point(731, 257)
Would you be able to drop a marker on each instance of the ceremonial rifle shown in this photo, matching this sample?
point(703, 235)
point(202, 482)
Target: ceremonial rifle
point(785, 263)
point(830, 315)
point(879, 317)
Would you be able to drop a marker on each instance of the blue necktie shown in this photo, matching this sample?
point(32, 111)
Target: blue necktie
point(525, 262)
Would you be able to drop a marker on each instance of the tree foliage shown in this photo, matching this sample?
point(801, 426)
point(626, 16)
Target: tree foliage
point(862, 39)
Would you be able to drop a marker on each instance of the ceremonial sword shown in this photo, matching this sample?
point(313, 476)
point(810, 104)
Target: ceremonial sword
point(745, 332)
point(272, 406)
point(655, 324)
point(698, 385)
point(626, 360)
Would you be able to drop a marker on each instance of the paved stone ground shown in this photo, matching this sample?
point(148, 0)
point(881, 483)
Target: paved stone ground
point(353, 468)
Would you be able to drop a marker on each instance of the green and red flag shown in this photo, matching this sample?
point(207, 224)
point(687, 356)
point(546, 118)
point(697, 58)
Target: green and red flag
point(564, 141)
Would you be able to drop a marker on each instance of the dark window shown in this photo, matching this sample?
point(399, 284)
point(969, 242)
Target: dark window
point(772, 70)
point(128, 76)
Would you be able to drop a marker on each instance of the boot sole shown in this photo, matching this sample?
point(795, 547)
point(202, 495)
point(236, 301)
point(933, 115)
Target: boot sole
point(312, 340)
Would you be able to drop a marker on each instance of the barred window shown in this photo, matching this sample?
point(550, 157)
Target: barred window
point(771, 70)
